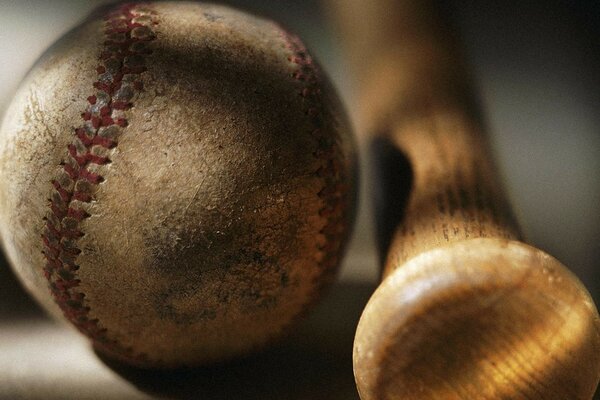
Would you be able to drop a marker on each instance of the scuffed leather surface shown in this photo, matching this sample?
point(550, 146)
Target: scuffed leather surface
point(203, 240)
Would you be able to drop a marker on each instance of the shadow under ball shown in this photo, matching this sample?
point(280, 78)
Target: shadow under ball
point(176, 180)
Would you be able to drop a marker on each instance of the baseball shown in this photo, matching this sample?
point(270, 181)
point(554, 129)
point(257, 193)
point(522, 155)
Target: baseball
point(176, 181)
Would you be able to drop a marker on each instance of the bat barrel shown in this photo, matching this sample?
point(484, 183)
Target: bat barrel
point(479, 319)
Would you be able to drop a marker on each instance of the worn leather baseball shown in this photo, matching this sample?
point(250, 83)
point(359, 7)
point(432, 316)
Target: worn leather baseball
point(176, 181)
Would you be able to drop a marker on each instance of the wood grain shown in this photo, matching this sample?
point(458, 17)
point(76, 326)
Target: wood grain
point(465, 309)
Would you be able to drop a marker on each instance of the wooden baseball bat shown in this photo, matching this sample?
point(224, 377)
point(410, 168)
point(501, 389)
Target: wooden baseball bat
point(465, 309)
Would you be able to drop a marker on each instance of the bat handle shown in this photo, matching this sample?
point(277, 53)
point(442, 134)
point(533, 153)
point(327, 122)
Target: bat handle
point(465, 310)
point(429, 143)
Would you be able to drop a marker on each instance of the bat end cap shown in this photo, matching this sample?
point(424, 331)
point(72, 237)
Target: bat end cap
point(481, 318)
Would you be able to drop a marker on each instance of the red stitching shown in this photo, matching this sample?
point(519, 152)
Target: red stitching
point(334, 192)
point(122, 59)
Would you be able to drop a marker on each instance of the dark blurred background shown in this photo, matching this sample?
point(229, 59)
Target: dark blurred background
point(537, 65)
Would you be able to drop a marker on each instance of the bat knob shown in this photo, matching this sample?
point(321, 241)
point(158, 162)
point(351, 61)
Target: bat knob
point(480, 318)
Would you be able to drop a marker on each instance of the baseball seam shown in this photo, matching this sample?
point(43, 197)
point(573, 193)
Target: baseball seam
point(128, 30)
point(334, 192)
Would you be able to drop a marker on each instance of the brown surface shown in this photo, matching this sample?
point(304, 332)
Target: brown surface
point(464, 311)
point(534, 70)
point(221, 208)
point(479, 318)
